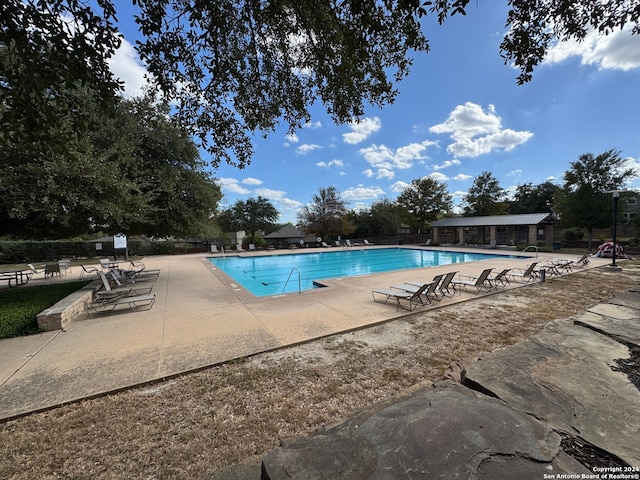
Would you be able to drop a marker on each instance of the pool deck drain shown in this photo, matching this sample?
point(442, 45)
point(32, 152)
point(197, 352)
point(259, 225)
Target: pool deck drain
point(199, 320)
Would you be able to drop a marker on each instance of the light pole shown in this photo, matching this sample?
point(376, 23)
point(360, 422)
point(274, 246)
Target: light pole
point(616, 196)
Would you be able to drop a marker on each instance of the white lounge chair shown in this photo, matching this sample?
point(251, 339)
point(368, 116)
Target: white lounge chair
point(413, 299)
point(88, 271)
point(481, 282)
point(528, 274)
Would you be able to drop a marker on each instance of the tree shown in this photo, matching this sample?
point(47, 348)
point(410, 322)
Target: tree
point(382, 218)
point(133, 171)
point(253, 215)
point(325, 215)
point(235, 68)
point(586, 201)
point(424, 200)
point(529, 198)
point(485, 197)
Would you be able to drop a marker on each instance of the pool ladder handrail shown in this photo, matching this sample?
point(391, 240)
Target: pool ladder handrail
point(528, 247)
point(289, 277)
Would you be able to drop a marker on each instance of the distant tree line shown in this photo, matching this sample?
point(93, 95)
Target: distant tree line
point(582, 201)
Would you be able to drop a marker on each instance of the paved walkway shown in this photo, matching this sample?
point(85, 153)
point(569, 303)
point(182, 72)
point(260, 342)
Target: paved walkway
point(200, 318)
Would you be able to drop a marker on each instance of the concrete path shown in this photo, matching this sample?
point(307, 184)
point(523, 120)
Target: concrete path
point(200, 318)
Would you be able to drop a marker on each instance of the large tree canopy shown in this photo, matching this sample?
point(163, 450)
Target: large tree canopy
point(235, 67)
point(133, 171)
point(424, 200)
point(588, 185)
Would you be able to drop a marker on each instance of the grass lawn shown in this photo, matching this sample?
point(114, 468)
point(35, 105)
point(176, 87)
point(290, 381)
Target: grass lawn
point(19, 306)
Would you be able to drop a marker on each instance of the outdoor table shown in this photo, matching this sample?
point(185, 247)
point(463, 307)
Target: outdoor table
point(18, 277)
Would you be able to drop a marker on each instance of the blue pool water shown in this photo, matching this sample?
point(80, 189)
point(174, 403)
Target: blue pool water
point(265, 275)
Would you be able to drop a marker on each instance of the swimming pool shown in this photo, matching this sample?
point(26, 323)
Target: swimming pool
point(265, 275)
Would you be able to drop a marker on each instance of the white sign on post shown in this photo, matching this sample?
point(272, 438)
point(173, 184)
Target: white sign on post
point(119, 241)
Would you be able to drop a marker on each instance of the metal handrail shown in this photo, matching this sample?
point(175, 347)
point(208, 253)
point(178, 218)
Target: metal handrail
point(531, 246)
point(289, 277)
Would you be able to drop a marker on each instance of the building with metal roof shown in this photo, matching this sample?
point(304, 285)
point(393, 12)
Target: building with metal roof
point(527, 228)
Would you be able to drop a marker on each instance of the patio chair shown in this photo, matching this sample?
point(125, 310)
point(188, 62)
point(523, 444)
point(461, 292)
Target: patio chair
point(65, 264)
point(414, 299)
point(347, 243)
point(367, 242)
point(481, 282)
point(324, 244)
point(87, 271)
point(51, 269)
point(528, 274)
point(252, 247)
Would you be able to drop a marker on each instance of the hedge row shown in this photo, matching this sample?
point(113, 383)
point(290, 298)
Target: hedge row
point(31, 251)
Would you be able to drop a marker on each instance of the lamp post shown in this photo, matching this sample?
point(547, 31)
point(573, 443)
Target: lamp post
point(616, 196)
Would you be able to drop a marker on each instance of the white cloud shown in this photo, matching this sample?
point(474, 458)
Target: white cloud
point(290, 138)
point(399, 186)
point(387, 160)
point(462, 177)
point(361, 130)
point(232, 185)
point(368, 173)
point(125, 64)
point(475, 132)
point(514, 173)
point(438, 176)
point(252, 181)
point(313, 125)
point(332, 163)
point(446, 164)
point(362, 193)
point(384, 173)
point(306, 148)
point(617, 51)
point(278, 197)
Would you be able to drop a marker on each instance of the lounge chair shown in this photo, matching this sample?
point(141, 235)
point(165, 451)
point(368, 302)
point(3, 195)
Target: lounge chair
point(120, 290)
point(447, 281)
point(135, 303)
point(434, 286)
point(500, 277)
point(324, 244)
point(347, 243)
point(431, 289)
point(528, 274)
point(88, 271)
point(239, 247)
point(252, 247)
point(583, 261)
point(337, 243)
point(414, 299)
point(367, 242)
point(34, 270)
point(127, 277)
point(481, 282)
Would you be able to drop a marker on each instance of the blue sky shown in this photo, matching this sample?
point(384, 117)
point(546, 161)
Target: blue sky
point(459, 113)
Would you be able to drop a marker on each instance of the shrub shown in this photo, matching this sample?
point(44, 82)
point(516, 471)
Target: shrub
point(21, 306)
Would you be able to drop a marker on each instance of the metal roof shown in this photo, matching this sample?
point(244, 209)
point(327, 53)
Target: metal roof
point(288, 231)
point(493, 220)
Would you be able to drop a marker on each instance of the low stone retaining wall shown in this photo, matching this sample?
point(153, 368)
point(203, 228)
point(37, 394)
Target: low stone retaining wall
point(60, 315)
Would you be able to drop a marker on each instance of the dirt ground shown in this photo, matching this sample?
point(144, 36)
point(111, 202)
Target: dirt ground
point(197, 424)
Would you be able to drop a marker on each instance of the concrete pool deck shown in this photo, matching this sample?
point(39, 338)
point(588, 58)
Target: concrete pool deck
point(200, 318)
